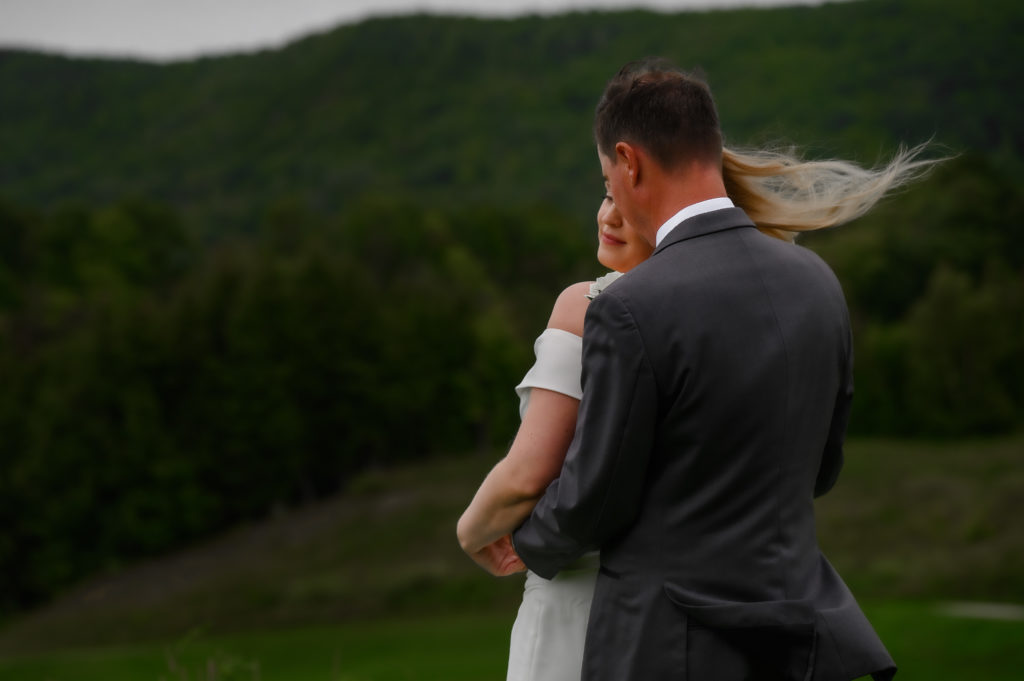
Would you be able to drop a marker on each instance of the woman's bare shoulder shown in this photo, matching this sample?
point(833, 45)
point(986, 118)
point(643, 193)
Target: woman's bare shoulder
point(570, 308)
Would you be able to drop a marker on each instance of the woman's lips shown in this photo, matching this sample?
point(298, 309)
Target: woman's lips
point(610, 240)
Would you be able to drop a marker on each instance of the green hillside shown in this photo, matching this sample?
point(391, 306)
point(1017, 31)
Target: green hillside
point(497, 111)
point(907, 522)
point(230, 286)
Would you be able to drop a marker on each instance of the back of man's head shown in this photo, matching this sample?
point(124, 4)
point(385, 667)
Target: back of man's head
point(669, 113)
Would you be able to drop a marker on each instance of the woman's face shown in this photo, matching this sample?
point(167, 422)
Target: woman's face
point(619, 247)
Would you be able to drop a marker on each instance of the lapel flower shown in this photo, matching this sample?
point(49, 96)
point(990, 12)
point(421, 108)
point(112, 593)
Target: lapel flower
point(602, 283)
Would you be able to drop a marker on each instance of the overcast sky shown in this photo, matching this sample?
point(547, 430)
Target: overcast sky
point(176, 29)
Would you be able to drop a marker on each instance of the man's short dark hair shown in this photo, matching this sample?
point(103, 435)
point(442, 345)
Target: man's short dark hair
point(669, 113)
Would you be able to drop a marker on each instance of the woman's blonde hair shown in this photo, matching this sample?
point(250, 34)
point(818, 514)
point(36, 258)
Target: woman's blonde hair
point(785, 195)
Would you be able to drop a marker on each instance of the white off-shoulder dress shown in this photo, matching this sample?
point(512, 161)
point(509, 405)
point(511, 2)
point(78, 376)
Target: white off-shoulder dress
point(548, 634)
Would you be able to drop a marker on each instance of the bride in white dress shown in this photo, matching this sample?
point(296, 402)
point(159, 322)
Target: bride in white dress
point(782, 195)
point(547, 636)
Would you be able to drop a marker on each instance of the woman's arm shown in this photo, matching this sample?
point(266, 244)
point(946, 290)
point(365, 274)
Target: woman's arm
point(512, 488)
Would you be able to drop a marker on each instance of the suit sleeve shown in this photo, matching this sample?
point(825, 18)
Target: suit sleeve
point(599, 489)
point(832, 457)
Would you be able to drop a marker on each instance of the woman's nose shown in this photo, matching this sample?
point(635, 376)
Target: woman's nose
point(610, 215)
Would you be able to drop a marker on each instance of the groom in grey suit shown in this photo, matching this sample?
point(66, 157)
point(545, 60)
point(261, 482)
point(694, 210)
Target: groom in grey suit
point(717, 385)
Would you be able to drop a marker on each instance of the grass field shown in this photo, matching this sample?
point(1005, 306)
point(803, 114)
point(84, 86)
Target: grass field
point(372, 586)
point(449, 647)
point(927, 644)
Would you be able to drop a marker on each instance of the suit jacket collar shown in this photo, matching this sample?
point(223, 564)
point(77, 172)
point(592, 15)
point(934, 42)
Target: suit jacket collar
point(705, 223)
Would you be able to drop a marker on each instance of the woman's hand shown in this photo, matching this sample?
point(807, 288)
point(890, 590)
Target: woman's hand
point(499, 558)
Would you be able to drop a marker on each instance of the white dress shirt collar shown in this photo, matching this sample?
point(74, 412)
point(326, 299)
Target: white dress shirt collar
point(690, 211)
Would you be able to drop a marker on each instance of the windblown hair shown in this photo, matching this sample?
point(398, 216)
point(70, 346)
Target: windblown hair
point(785, 195)
point(669, 113)
point(672, 115)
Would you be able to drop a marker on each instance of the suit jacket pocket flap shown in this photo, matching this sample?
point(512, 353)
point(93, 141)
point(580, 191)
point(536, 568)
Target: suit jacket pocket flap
point(795, 614)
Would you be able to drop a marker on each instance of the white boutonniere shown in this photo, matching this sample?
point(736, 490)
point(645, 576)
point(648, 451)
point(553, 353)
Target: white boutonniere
point(602, 283)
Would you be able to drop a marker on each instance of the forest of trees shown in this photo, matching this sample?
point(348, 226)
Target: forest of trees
point(227, 285)
point(155, 389)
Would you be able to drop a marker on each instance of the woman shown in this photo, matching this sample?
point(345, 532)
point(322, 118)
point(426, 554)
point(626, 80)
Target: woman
point(547, 637)
point(782, 195)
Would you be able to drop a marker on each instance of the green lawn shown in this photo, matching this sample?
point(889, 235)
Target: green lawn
point(927, 644)
point(449, 647)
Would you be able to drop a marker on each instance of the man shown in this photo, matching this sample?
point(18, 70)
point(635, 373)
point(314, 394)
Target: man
point(717, 383)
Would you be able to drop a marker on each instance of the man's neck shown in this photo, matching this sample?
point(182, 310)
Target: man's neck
point(687, 187)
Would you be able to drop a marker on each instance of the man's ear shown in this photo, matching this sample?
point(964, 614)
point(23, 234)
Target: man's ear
point(626, 154)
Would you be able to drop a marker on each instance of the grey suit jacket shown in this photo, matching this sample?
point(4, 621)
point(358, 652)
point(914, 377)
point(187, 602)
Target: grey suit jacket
point(717, 383)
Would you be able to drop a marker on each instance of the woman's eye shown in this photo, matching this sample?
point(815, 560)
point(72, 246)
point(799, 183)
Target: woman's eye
point(606, 197)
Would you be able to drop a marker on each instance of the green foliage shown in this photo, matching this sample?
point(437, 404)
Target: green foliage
point(229, 285)
point(495, 111)
point(935, 282)
point(156, 391)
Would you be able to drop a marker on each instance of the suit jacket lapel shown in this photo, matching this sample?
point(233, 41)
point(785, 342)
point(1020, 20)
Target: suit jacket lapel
point(705, 223)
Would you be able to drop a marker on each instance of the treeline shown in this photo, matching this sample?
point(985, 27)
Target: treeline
point(935, 282)
point(155, 391)
point(451, 109)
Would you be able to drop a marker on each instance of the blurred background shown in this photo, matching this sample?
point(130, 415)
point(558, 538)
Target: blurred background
point(268, 276)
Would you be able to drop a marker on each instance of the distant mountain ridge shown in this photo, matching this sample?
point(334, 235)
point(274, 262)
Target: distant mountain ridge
point(446, 110)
